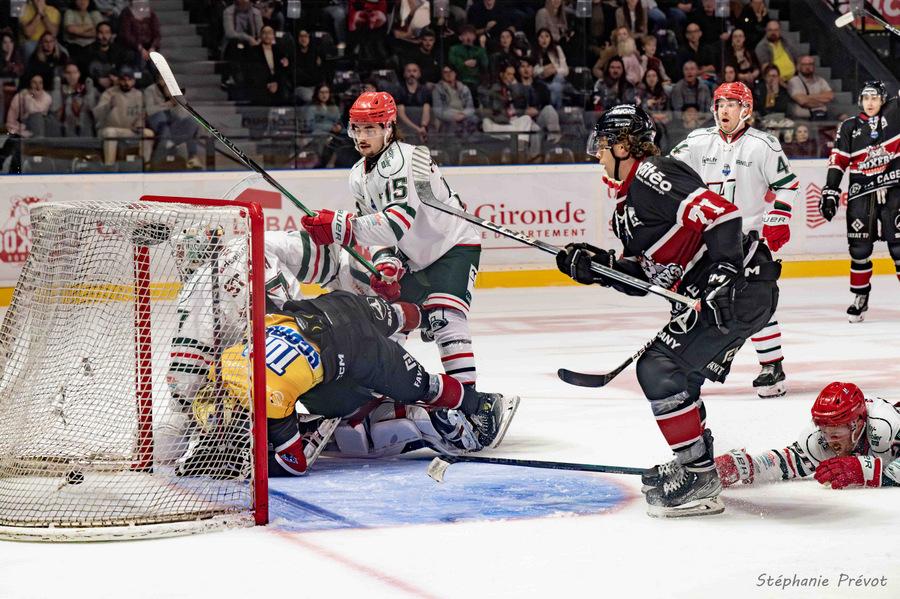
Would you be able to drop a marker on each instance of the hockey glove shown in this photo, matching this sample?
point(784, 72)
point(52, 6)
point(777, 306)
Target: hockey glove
point(734, 466)
point(828, 205)
point(327, 227)
point(575, 261)
point(718, 296)
point(850, 471)
point(392, 270)
point(777, 229)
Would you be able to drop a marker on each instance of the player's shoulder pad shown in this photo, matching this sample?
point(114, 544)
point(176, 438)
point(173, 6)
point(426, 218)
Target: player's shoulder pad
point(394, 159)
point(697, 134)
point(766, 138)
point(665, 175)
point(883, 425)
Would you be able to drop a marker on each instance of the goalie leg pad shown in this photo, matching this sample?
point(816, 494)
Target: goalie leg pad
point(290, 458)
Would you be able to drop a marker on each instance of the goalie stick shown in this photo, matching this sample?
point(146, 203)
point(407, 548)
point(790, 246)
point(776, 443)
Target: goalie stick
point(175, 91)
point(421, 161)
point(439, 465)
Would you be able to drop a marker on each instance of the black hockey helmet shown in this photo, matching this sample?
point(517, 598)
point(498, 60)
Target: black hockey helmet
point(873, 87)
point(625, 123)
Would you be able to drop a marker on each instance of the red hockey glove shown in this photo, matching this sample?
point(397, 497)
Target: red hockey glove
point(776, 229)
point(850, 471)
point(327, 227)
point(392, 270)
point(734, 466)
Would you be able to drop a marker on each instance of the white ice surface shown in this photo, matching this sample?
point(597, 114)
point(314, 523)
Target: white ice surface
point(521, 338)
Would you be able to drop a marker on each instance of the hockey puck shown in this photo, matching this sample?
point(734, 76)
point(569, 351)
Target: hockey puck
point(74, 477)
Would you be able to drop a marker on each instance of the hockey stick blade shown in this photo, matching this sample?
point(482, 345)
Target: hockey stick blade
point(844, 20)
point(438, 467)
point(583, 379)
point(421, 162)
point(171, 84)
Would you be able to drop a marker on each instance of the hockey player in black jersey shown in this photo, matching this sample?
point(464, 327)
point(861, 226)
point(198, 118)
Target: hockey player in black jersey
point(678, 234)
point(869, 146)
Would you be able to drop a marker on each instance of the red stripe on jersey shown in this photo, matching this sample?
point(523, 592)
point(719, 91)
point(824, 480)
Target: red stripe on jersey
point(191, 356)
point(316, 262)
point(680, 427)
point(787, 454)
point(457, 356)
point(876, 474)
point(838, 159)
point(396, 214)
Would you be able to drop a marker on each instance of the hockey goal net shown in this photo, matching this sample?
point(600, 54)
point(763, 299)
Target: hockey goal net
point(86, 349)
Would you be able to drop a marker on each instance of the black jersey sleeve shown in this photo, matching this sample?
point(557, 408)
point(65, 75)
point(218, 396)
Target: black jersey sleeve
point(839, 159)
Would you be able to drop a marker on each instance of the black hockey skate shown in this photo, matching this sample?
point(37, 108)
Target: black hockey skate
point(655, 476)
point(455, 429)
point(492, 419)
point(859, 306)
point(770, 382)
point(688, 493)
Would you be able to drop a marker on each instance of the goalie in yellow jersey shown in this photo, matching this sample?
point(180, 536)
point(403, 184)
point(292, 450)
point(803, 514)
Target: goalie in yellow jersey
point(330, 354)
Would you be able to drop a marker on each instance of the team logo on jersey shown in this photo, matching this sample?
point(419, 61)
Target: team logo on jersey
point(664, 275)
point(857, 225)
point(726, 170)
point(856, 133)
point(653, 177)
point(684, 322)
point(855, 189)
point(876, 162)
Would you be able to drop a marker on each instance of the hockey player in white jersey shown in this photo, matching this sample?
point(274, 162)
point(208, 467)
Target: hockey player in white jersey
point(743, 164)
point(852, 442)
point(425, 256)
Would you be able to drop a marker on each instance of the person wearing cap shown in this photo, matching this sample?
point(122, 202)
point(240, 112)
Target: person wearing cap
point(120, 114)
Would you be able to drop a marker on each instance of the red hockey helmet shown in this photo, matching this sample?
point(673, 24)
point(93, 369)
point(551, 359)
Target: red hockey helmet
point(735, 90)
point(838, 404)
point(374, 107)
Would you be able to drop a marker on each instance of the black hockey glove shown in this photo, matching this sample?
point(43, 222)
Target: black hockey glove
point(829, 203)
point(723, 282)
point(575, 261)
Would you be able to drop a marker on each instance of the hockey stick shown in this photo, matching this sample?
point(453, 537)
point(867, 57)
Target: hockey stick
point(175, 91)
point(439, 465)
point(421, 179)
point(850, 16)
point(584, 379)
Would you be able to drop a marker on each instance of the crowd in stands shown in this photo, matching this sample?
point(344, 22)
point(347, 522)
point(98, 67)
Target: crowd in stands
point(536, 71)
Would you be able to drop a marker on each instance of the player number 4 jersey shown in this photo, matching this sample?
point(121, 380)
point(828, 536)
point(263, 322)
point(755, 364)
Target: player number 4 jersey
point(742, 170)
point(391, 213)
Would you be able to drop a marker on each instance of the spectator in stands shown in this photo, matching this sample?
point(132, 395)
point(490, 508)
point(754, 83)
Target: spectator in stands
point(139, 30)
point(37, 18)
point(752, 20)
point(48, 61)
point(104, 57)
point(27, 117)
point(704, 56)
point(610, 49)
point(425, 55)
point(771, 95)
point(171, 125)
point(552, 17)
point(777, 50)
point(741, 58)
point(80, 27)
point(410, 17)
point(242, 24)
point(454, 109)
point(811, 94)
point(367, 26)
point(322, 116)
point(656, 17)
point(690, 91)
point(692, 118)
point(679, 11)
point(633, 16)
point(715, 29)
point(550, 66)
point(414, 95)
point(489, 18)
point(532, 97)
point(271, 15)
point(650, 61)
point(111, 9)
point(469, 61)
point(500, 114)
point(120, 114)
point(801, 145)
point(270, 70)
point(613, 88)
point(728, 74)
point(335, 14)
point(12, 64)
point(653, 96)
point(307, 68)
point(507, 54)
point(73, 102)
point(634, 70)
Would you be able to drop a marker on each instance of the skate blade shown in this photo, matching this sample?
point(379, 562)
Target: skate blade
point(701, 507)
point(510, 405)
point(776, 390)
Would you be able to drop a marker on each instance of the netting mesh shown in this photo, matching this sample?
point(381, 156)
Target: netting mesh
point(99, 375)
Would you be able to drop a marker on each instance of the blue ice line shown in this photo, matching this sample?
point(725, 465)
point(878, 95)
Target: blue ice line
point(311, 507)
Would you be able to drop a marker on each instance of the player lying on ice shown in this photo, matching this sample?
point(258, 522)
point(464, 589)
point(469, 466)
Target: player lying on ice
point(679, 235)
point(851, 442)
point(331, 353)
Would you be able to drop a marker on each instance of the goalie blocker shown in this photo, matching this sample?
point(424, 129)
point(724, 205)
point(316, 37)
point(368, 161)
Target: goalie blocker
point(332, 353)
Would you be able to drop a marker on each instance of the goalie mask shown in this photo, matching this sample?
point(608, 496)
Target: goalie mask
point(193, 248)
point(840, 413)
